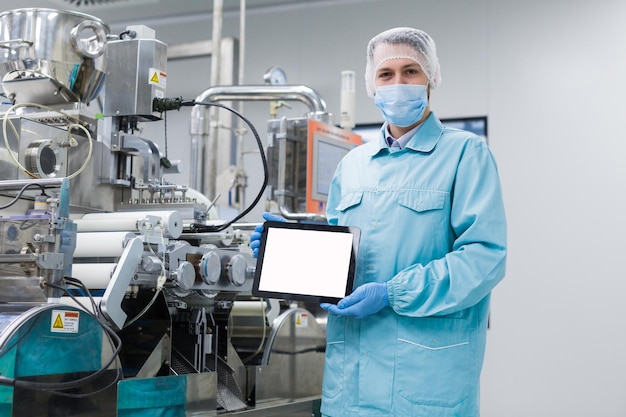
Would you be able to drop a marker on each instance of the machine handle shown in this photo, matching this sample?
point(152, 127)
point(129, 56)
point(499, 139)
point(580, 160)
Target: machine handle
point(87, 47)
point(15, 43)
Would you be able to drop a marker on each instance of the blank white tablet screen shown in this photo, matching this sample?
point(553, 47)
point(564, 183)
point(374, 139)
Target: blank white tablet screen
point(308, 262)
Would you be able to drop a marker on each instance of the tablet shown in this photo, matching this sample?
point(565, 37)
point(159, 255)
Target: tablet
point(306, 262)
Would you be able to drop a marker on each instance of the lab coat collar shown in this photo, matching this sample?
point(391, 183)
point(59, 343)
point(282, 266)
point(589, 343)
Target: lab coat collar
point(424, 140)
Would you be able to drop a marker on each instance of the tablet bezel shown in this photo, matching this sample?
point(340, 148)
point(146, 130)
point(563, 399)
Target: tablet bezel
point(316, 298)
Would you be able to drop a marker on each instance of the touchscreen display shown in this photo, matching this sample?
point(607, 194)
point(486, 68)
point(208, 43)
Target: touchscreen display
point(311, 262)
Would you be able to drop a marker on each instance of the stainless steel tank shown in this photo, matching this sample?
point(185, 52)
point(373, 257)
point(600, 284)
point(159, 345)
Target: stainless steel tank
point(50, 56)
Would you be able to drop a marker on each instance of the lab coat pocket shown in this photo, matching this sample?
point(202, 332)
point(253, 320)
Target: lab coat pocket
point(335, 356)
point(425, 213)
point(434, 363)
point(422, 200)
point(350, 200)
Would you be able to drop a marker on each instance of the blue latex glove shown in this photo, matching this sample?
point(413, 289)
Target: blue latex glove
point(255, 237)
point(366, 300)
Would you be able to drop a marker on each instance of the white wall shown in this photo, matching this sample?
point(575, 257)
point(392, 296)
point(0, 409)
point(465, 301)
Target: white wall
point(555, 95)
point(550, 76)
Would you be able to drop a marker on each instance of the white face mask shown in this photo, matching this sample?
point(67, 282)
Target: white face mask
point(402, 104)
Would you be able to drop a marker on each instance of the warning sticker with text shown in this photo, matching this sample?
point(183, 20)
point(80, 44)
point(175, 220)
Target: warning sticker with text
point(157, 77)
point(64, 321)
point(302, 320)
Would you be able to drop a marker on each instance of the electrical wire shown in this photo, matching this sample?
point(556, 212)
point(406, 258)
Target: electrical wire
point(20, 192)
point(78, 283)
point(71, 140)
point(56, 388)
point(219, 228)
point(160, 281)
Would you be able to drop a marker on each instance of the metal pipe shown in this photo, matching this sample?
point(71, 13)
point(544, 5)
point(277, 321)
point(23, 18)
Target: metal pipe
point(200, 125)
point(17, 184)
point(210, 151)
point(301, 93)
point(313, 217)
point(240, 81)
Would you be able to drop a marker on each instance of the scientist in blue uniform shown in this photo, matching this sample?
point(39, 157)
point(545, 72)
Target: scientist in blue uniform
point(410, 340)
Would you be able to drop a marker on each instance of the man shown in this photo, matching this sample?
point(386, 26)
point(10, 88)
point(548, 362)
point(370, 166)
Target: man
point(410, 339)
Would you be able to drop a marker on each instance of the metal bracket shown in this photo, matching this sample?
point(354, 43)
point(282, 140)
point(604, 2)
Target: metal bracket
point(111, 303)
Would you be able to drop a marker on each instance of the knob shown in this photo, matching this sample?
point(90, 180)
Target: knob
point(237, 270)
point(185, 275)
point(210, 268)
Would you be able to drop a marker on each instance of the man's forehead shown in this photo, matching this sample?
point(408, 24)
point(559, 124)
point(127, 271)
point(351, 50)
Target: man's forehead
point(386, 51)
point(398, 63)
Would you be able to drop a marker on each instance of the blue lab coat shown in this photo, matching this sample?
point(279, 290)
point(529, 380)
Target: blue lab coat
point(433, 227)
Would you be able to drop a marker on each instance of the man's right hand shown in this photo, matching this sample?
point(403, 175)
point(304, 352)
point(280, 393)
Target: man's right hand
point(255, 237)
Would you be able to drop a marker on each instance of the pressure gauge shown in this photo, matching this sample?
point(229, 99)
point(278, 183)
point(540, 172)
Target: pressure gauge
point(275, 76)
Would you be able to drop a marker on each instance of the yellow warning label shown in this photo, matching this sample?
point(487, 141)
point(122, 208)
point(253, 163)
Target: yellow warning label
point(157, 77)
point(64, 321)
point(58, 323)
point(302, 320)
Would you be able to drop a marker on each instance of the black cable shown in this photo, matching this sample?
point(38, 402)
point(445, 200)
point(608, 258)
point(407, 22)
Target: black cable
point(118, 376)
point(116, 344)
point(21, 191)
point(130, 33)
point(166, 104)
point(56, 387)
point(165, 162)
point(78, 283)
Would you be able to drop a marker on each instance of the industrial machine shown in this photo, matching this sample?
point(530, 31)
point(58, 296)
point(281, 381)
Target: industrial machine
point(122, 293)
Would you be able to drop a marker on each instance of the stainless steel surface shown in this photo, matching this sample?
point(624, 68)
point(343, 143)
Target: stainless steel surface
point(301, 407)
point(201, 394)
point(287, 160)
point(313, 217)
point(111, 302)
point(290, 161)
point(35, 49)
point(36, 250)
point(159, 355)
point(136, 74)
point(40, 148)
point(20, 289)
point(293, 358)
point(215, 150)
point(239, 270)
point(301, 93)
point(17, 184)
point(216, 269)
point(170, 296)
point(200, 121)
point(92, 189)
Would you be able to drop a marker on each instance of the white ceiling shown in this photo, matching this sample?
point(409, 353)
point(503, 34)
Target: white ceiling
point(112, 11)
